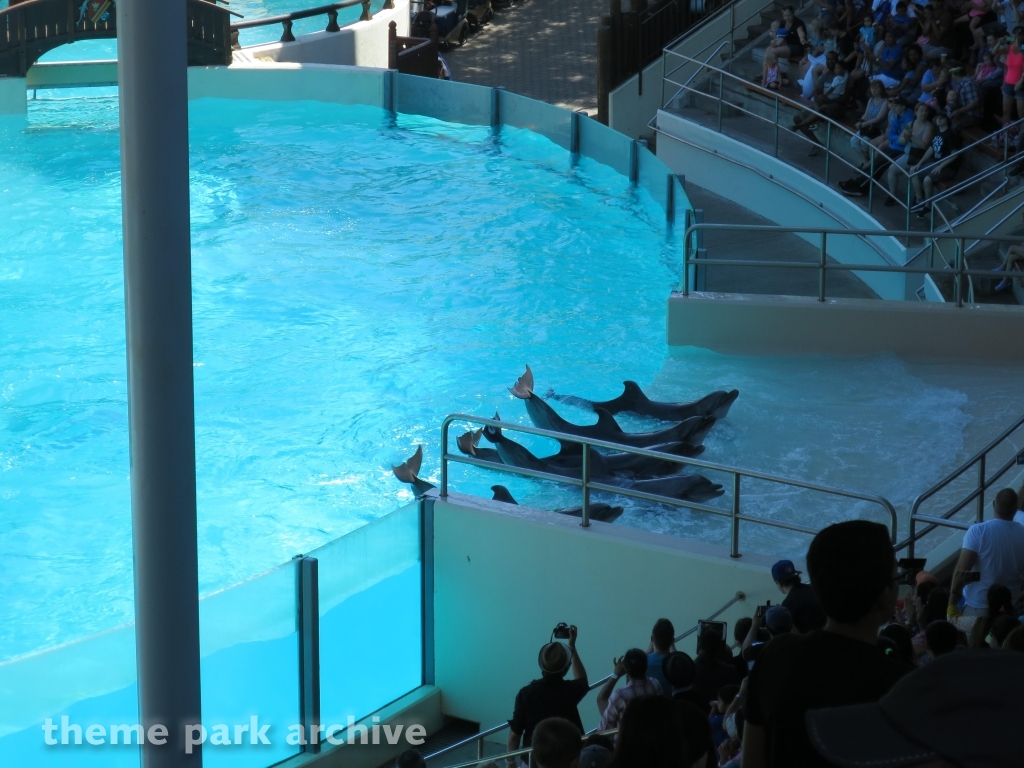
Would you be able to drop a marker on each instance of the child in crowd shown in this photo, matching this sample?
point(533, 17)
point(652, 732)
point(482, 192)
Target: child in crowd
point(771, 77)
point(718, 707)
point(988, 70)
point(866, 41)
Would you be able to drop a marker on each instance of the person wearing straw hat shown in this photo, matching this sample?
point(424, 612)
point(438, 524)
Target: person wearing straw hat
point(551, 695)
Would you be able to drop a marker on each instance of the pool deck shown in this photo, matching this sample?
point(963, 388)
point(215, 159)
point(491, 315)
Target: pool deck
point(544, 50)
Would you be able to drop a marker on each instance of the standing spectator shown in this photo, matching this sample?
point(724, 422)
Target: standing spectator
point(853, 571)
point(739, 633)
point(663, 638)
point(556, 743)
point(996, 547)
point(552, 695)
point(800, 599)
point(651, 736)
point(612, 703)
point(713, 667)
point(680, 671)
point(1013, 82)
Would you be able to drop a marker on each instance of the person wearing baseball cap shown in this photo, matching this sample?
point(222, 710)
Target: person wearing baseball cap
point(551, 695)
point(800, 599)
point(963, 710)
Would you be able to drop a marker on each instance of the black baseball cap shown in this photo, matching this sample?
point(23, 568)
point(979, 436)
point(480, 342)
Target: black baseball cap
point(964, 707)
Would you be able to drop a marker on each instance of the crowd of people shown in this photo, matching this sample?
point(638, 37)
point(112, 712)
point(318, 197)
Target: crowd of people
point(912, 76)
point(841, 672)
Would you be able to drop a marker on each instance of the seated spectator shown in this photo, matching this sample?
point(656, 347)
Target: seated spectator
point(651, 735)
point(795, 41)
point(663, 638)
point(917, 139)
point(937, 161)
point(597, 751)
point(680, 671)
point(552, 695)
point(873, 121)
point(713, 667)
point(410, 759)
point(719, 706)
point(886, 61)
point(771, 77)
point(962, 710)
point(800, 599)
point(934, 82)
point(853, 571)
point(612, 703)
point(901, 641)
point(968, 101)
point(730, 752)
point(886, 148)
point(978, 11)
point(1000, 603)
point(902, 24)
point(1014, 261)
point(1001, 628)
point(556, 744)
point(912, 70)
point(941, 638)
point(697, 735)
point(933, 610)
point(830, 103)
point(996, 548)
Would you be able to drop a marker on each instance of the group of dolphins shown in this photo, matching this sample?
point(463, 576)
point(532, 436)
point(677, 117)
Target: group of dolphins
point(660, 477)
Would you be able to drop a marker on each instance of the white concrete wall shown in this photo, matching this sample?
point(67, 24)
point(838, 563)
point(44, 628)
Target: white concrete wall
point(13, 96)
point(770, 187)
point(71, 74)
point(288, 82)
point(505, 575)
point(795, 325)
point(361, 44)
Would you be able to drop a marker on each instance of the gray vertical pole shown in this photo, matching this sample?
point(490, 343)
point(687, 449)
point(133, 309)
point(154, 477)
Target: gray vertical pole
point(699, 272)
point(634, 162)
point(158, 324)
point(574, 138)
point(309, 650)
point(496, 110)
point(427, 563)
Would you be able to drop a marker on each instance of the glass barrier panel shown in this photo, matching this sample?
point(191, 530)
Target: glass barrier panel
point(371, 625)
point(81, 689)
point(248, 637)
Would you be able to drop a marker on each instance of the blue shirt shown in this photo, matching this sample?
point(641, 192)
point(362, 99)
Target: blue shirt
point(891, 58)
point(654, 670)
point(896, 126)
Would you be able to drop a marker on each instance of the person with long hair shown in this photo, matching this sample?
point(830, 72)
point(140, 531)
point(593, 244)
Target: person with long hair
point(651, 736)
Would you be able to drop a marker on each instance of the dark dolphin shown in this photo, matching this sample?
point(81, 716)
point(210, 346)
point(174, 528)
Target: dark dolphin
point(692, 430)
point(686, 487)
point(598, 510)
point(633, 400)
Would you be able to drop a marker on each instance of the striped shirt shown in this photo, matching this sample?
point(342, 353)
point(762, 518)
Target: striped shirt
point(634, 689)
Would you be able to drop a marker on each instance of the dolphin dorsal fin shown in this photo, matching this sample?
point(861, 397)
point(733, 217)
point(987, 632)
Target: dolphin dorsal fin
point(631, 388)
point(501, 493)
point(523, 388)
point(409, 470)
point(606, 421)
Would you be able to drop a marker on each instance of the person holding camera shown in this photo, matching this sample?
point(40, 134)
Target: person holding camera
point(800, 598)
point(551, 695)
point(611, 703)
point(996, 548)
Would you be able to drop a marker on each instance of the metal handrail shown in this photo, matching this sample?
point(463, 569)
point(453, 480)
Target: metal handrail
point(331, 11)
point(831, 125)
point(822, 264)
point(979, 459)
point(479, 737)
point(514, 753)
point(587, 485)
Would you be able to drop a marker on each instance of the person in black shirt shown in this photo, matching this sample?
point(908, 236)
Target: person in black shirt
point(800, 598)
point(714, 667)
point(550, 696)
point(680, 671)
point(945, 142)
point(852, 567)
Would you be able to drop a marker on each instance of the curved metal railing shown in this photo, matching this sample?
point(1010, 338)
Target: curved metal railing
point(586, 484)
point(478, 738)
point(331, 11)
point(979, 460)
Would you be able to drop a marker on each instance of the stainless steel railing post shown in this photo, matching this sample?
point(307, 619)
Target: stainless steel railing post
point(776, 126)
point(721, 89)
point(961, 256)
point(480, 749)
point(585, 477)
point(981, 488)
point(735, 522)
point(444, 458)
point(828, 149)
point(821, 267)
point(871, 178)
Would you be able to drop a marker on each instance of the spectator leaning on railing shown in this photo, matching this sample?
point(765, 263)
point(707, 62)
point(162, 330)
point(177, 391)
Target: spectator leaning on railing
point(852, 567)
point(550, 696)
point(610, 702)
point(996, 549)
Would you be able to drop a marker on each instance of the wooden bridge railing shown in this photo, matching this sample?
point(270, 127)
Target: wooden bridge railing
point(413, 55)
point(30, 28)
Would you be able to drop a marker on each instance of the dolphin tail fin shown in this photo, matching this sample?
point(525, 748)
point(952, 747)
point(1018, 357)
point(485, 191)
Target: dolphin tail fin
point(606, 421)
point(408, 471)
point(523, 388)
point(468, 441)
point(501, 493)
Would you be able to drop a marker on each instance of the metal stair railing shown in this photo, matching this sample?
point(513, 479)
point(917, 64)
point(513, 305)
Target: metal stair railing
point(960, 271)
point(984, 482)
point(586, 484)
point(478, 738)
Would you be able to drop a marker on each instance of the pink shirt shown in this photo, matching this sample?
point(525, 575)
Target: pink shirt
point(1014, 66)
